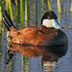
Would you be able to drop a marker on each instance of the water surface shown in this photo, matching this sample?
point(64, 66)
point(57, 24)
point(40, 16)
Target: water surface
point(15, 58)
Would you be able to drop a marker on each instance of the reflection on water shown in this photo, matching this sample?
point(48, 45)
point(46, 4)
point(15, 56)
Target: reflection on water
point(47, 57)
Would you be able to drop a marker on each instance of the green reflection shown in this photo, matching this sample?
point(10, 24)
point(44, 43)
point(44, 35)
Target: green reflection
point(71, 14)
point(0, 42)
point(25, 63)
point(65, 11)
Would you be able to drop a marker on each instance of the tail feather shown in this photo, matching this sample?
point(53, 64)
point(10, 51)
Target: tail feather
point(8, 18)
point(6, 26)
point(6, 22)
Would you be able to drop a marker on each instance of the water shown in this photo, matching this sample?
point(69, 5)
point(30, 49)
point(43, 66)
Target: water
point(15, 58)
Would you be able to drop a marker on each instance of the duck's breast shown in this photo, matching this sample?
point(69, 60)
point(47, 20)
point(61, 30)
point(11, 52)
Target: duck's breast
point(53, 39)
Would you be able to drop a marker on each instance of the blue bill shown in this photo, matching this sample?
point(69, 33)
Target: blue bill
point(56, 24)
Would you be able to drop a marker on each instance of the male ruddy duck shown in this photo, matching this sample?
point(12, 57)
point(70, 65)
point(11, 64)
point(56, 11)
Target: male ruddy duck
point(48, 35)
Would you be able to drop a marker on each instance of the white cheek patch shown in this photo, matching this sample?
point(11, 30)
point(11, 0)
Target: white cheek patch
point(8, 33)
point(47, 22)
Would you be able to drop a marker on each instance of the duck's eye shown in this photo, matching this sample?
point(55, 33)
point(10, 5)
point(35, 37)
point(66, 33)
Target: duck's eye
point(49, 18)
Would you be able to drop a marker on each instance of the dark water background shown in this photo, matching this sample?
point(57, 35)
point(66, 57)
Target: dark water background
point(29, 59)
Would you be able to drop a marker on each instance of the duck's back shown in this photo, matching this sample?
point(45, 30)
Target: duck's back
point(27, 35)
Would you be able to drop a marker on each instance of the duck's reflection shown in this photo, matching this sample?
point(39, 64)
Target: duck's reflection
point(50, 55)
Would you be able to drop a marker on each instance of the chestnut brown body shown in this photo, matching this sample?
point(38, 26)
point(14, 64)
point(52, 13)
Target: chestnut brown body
point(38, 36)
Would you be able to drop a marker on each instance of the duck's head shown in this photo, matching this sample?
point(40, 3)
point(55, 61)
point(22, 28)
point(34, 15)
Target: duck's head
point(49, 19)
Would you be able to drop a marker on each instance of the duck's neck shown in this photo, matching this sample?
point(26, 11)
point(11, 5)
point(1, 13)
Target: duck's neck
point(48, 30)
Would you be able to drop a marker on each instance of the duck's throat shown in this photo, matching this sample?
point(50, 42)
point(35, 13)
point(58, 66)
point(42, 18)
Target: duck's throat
point(48, 30)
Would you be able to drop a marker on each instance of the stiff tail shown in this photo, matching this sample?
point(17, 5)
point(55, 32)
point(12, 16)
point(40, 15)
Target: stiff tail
point(7, 20)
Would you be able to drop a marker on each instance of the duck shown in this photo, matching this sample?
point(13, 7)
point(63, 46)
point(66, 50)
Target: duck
point(49, 34)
